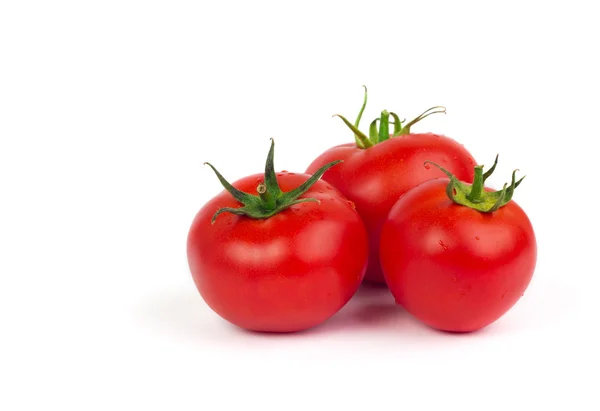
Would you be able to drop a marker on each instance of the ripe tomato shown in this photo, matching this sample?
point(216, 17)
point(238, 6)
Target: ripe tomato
point(458, 257)
point(287, 260)
point(378, 169)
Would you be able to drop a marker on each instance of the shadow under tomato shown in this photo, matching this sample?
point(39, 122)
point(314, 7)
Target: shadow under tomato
point(183, 314)
point(371, 308)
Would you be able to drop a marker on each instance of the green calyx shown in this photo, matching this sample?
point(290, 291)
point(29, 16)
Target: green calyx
point(474, 195)
point(270, 199)
point(382, 133)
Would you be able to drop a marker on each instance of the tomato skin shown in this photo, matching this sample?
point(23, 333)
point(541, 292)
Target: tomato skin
point(452, 267)
point(376, 177)
point(287, 273)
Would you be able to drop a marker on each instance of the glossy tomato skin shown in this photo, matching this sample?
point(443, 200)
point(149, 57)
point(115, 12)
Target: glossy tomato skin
point(452, 267)
point(376, 177)
point(287, 273)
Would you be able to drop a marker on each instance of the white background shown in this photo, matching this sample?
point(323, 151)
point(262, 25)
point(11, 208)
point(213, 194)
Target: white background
point(107, 112)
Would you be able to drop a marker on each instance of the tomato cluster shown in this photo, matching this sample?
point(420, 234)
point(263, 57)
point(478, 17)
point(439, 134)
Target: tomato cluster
point(283, 252)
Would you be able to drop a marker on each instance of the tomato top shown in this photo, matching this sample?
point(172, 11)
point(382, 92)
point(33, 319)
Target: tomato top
point(271, 199)
point(475, 195)
point(381, 134)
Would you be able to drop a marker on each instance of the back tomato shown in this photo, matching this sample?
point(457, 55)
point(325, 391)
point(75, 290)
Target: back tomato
point(379, 168)
point(288, 272)
point(453, 267)
point(374, 178)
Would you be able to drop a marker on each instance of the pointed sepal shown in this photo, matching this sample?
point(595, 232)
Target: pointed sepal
point(474, 195)
point(270, 199)
point(381, 134)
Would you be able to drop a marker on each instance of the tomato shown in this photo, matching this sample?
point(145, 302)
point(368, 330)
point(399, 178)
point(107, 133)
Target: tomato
point(378, 169)
point(456, 256)
point(283, 261)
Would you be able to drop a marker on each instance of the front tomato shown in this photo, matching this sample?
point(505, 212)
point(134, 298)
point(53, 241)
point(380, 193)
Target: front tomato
point(458, 257)
point(287, 260)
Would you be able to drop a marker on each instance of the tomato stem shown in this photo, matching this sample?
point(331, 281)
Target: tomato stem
point(266, 196)
point(378, 135)
point(270, 199)
point(477, 187)
point(474, 195)
point(384, 126)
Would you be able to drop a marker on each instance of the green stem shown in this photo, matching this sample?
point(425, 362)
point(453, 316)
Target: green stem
point(477, 187)
point(384, 126)
point(383, 133)
point(474, 195)
point(270, 199)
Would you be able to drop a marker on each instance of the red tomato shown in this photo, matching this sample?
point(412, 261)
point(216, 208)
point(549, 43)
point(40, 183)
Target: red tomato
point(283, 273)
point(375, 177)
point(451, 265)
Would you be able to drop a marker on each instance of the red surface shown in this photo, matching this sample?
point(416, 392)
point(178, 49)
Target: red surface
point(452, 267)
point(286, 273)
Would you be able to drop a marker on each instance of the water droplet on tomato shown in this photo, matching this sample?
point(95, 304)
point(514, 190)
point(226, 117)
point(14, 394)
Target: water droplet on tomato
point(321, 192)
point(455, 157)
point(351, 204)
point(477, 238)
point(444, 246)
point(427, 166)
point(284, 171)
point(329, 188)
point(292, 174)
point(470, 161)
point(453, 279)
